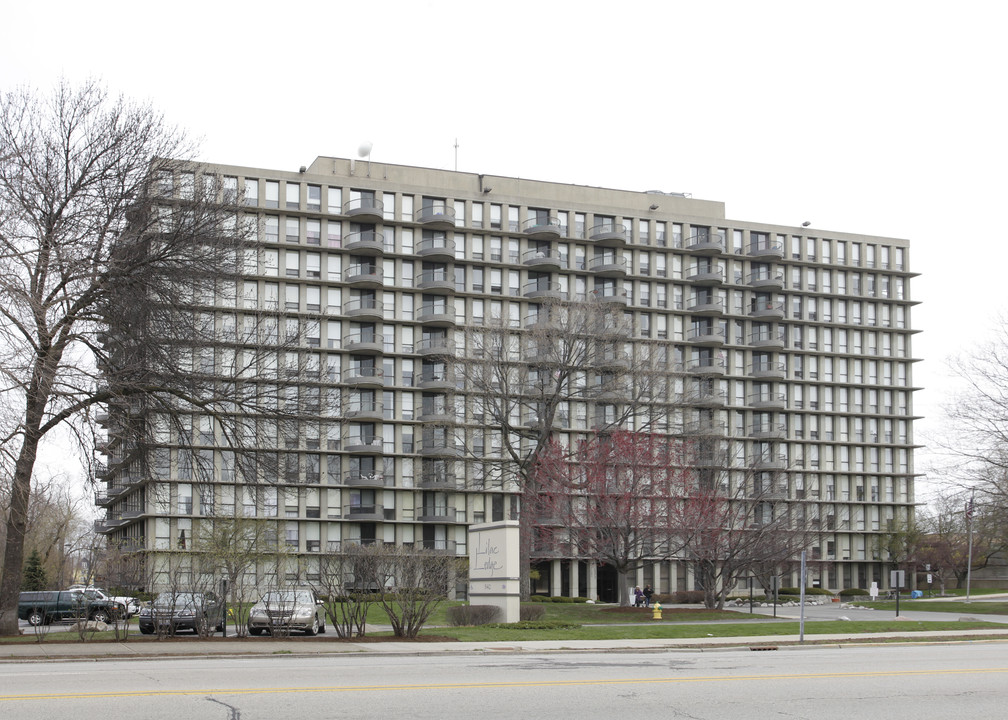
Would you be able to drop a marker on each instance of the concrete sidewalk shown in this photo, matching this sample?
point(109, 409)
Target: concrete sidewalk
point(320, 647)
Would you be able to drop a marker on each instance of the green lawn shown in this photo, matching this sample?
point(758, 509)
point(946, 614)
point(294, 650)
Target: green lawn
point(727, 630)
point(598, 622)
point(950, 606)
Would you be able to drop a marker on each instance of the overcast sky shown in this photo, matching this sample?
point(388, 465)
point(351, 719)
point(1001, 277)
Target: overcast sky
point(885, 118)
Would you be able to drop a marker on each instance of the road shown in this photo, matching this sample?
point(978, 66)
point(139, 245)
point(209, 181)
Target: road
point(952, 680)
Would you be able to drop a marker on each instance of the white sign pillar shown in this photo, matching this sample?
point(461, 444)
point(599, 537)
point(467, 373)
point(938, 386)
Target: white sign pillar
point(494, 575)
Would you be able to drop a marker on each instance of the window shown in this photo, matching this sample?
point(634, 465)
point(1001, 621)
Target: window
point(314, 197)
point(313, 233)
point(293, 196)
point(251, 192)
point(272, 194)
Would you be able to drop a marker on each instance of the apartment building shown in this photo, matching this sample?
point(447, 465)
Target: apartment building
point(794, 344)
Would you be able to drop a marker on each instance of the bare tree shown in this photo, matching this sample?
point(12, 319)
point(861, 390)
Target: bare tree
point(347, 601)
point(408, 583)
point(115, 260)
point(55, 527)
point(521, 382)
point(739, 522)
point(234, 547)
point(613, 498)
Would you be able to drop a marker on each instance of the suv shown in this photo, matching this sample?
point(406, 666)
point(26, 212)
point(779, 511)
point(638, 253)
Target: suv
point(287, 610)
point(171, 612)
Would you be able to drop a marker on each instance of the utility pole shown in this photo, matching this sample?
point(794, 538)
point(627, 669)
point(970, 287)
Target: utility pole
point(969, 553)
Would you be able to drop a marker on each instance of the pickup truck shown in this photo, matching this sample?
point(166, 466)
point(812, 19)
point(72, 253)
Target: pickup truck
point(45, 606)
point(131, 604)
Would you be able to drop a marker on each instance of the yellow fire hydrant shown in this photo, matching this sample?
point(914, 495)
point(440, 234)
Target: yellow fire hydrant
point(656, 611)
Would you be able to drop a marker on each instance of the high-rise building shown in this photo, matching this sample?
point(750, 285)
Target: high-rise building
point(792, 343)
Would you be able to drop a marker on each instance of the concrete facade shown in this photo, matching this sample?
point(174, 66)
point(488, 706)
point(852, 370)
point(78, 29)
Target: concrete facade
point(796, 341)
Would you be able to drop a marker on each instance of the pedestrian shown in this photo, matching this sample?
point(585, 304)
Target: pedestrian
point(648, 592)
point(638, 597)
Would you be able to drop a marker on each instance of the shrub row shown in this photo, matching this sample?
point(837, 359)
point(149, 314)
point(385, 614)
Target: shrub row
point(472, 614)
point(853, 592)
point(537, 625)
point(808, 591)
point(557, 599)
point(679, 597)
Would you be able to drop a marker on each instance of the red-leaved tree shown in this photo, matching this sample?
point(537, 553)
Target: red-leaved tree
point(612, 498)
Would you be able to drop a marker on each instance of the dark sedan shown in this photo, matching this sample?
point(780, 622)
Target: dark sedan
point(200, 612)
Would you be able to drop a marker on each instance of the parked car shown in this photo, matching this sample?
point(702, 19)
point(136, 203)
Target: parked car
point(131, 604)
point(171, 612)
point(286, 611)
point(45, 606)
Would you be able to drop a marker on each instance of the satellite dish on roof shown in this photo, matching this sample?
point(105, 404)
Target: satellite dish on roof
point(364, 149)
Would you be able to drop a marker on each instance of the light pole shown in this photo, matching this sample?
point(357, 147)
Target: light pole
point(969, 552)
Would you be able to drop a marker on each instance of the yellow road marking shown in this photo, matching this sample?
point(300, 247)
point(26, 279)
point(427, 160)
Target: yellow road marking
point(500, 685)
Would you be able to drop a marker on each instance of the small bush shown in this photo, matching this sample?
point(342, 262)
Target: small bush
point(685, 597)
point(539, 598)
point(536, 625)
point(808, 591)
point(472, 614)
point(853, 592)
point(531, 613)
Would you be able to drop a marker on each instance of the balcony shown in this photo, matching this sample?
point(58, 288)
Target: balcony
point(436, 381)
point(768, 431)
point(437, 217)
point(542, 228)
point(609, 234)
point(705, 305)
point(353, 478)
point(705, 366)
point(365, 308)
point(365, 411)
point(363, 445)
point(543, 260)
point(704, 244)
point(608, 358)
point(767, 309)
point(542, 288)
point(770, 461)
point(369, 343)
point(541, 319)
point(365, 242)
point(768, 370)
point(612, 391)
point(768, 401)
point(609, 294)
point(442, 414)
point(364, 513)
point(703, 398)
point(435, 280)
point(436, 513)
point(773, 280)
point(705, 276)
point(364, 275)
point(438, 481)
point(440, 447)
point(704, 427)
point(766, 248)
point(767, 339)
point(365, 209)
point(709, 336)
point(605, 266)
point(437, 314)
point(438, 248)
point(435, 346)
point(364, 377)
